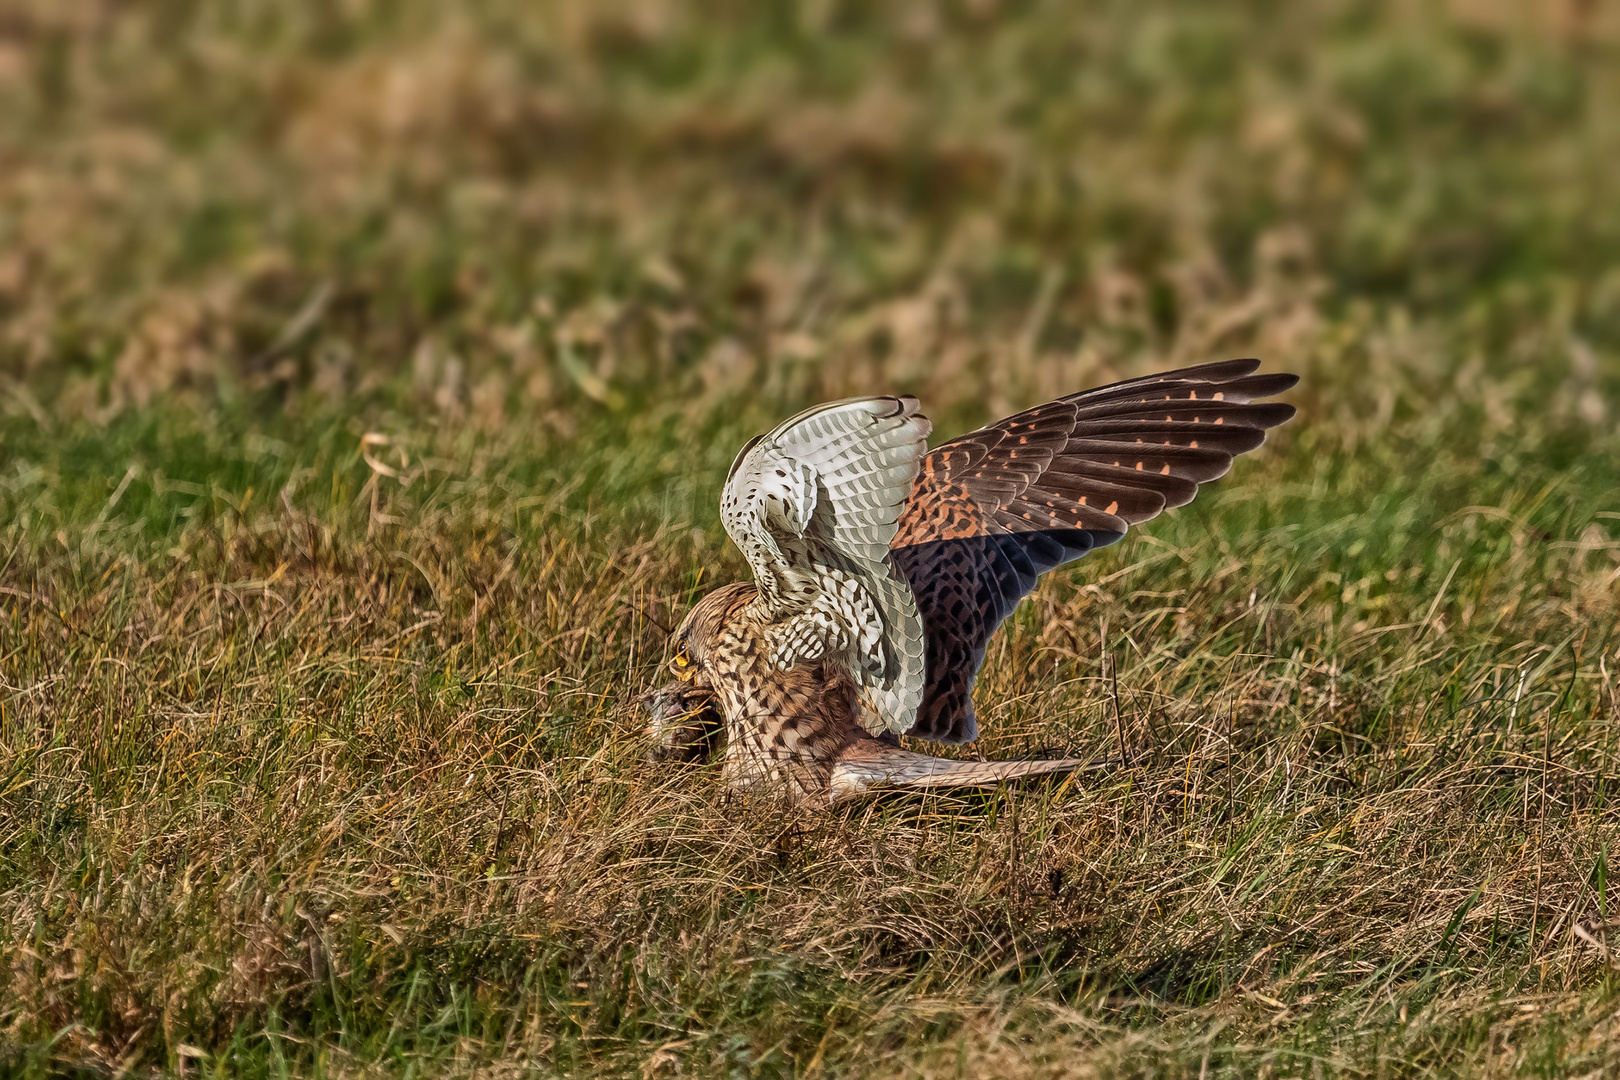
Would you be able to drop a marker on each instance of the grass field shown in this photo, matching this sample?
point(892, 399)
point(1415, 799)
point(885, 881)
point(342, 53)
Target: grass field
point(368, 372)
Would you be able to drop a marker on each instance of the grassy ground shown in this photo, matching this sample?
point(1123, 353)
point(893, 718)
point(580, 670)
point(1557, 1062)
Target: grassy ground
point(368, 373)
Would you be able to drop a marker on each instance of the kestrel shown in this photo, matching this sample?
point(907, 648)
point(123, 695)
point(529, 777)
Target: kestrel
point(881, 569)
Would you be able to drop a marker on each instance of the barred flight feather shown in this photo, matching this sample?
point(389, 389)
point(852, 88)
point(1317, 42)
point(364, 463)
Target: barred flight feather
point(814, 505)
point(995, 508)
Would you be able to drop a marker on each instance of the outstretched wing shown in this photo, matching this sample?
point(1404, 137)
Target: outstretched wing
point(996, 508)
point(814, 505)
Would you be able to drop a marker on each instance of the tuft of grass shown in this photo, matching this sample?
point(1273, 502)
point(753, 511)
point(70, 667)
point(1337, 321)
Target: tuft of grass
point(368, 373)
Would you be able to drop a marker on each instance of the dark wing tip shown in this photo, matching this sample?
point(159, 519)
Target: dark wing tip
point(1268, 414)
point(1213, 371)
point(904, 405)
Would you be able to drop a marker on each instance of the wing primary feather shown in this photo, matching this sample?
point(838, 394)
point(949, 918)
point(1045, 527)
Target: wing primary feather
point(993, 509)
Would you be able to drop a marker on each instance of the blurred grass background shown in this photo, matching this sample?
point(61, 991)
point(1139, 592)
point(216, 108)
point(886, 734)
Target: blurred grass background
point(368, 373)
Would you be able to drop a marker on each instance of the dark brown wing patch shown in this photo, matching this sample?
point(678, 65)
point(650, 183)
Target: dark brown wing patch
point(996, 508)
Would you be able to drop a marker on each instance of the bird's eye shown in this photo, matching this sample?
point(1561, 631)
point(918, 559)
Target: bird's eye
point(682, 661)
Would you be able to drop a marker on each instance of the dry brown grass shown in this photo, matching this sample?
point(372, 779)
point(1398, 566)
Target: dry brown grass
point(368, 373)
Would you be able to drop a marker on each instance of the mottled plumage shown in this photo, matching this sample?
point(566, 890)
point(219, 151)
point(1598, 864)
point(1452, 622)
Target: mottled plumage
point(814, 504)
point(881, 570)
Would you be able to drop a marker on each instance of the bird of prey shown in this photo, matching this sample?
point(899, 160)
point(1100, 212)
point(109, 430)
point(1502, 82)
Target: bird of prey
point(881, 569)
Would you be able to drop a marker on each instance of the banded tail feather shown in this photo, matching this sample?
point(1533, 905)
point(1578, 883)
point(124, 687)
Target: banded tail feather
point(870, 768)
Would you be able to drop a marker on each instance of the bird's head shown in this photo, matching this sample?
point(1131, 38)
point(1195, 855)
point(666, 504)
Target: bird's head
point(686, 719)
point(698, 637)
